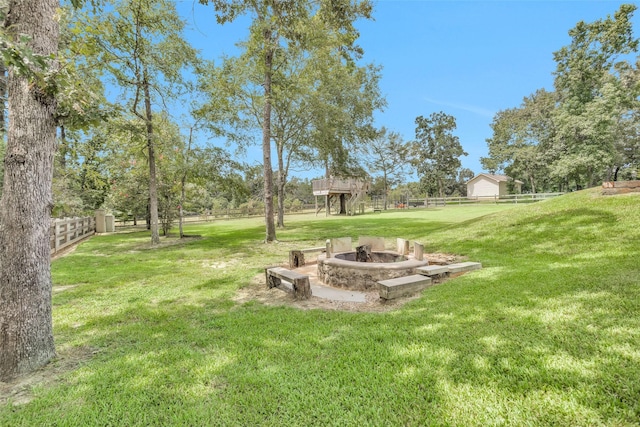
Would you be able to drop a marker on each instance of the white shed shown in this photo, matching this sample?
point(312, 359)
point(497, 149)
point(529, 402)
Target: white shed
point(487, 185)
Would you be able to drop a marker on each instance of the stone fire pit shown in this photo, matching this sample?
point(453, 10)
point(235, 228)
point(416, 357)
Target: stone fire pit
point(343, 267)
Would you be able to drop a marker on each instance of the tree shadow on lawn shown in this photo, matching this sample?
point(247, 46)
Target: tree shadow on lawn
point(476, 350)
point(553, 343)
point(357, 226)
point(555, 235)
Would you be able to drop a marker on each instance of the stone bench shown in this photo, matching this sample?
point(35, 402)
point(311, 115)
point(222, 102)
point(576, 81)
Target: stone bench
point(439, 271)
point(300, 282)
point(463, 267)
point(296, 257)
point(434, 271)
point(403, 286)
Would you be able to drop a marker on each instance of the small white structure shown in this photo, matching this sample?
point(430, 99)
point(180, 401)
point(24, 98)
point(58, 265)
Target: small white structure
point(487, 185)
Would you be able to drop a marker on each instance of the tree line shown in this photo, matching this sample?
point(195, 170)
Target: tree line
point(585, 131)
point(90, 89)
point(126, 65)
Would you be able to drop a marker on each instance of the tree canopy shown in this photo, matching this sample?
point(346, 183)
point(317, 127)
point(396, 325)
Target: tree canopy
point(587, 129)
point(436, 151)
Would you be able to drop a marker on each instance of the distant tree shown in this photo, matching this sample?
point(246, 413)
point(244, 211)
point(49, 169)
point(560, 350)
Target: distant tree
point(127, 168)
point(80, 177)
point(234, 107)
point(198, 166)
point(26, 329)
point(625, 89)
point(300, 189)
point(277, 25)
point(459, 186)
point(387, 156)
point(436, 151)
point(140, 44)
point(522, 139)
point(407, 190)
point(342, 107)
point(588, 112)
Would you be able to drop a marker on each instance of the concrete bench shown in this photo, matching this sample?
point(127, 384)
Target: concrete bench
point(300, 282)
point(463, 267)
point(434, 271)
point(296, 257)
point(403, 286)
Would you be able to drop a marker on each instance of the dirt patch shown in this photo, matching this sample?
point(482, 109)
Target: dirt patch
point(257, 290)
point(439, 258)
point(20, 391)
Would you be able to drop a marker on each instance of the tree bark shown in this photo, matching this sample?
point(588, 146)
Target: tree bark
point(533, 184)
point(26, 329)
point(282, 182)
point(63, 148)
point(386, 190)
point(281, 196)
point(3, 98)
point(266, 140)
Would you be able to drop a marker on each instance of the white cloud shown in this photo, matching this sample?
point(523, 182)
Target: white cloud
point(465, 107)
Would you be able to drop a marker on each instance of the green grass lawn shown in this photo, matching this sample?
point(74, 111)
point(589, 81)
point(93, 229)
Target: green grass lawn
point(547, 333)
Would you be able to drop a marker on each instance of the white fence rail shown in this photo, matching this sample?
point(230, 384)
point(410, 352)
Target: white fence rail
point(448, 201)
point(226, 214)
point(68, 231)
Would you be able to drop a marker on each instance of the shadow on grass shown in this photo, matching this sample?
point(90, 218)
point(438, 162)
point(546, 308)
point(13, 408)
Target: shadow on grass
point(546, 334)
point(473, 351)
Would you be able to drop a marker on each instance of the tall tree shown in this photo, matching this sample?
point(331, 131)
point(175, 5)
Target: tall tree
point(587, 113)
point(26, 330)
point(342, 109)
point(141, 45)
point(522, 138)
point(625, 91)
point(436, 151)
point(387, 156)
point(276, 24)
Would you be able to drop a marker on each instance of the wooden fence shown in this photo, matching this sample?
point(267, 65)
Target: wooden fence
point(226, 214)
point(219, 214)
point(451, 201)
point(69, 231)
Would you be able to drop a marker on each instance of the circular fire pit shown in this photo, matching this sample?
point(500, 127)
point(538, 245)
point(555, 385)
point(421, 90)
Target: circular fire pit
point(343, 271)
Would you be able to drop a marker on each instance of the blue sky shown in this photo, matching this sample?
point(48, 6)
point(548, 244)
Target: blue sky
point(469, 59)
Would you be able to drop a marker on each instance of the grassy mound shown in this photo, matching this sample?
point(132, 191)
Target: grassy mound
point(547, 333)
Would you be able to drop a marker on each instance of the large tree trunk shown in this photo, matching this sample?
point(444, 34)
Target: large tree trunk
point(26, 330)
point(440, 188)
point(63, 149)
point(183, 181)
point(266, 140)
point(3, 97)
point(281, 185)
point(153, 185)
point(386, 190)
point(181, 208)
point(533, 184)
point(282, 182)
